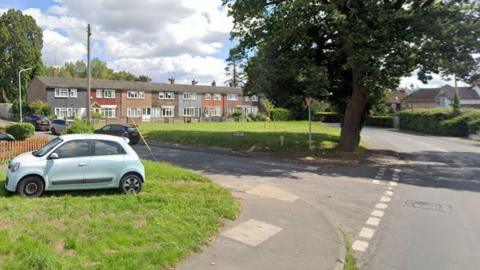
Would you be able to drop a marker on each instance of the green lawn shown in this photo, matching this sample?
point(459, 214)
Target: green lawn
point(247, 136)
point(174, 215)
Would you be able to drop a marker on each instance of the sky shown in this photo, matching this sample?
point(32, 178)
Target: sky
point(185, 39)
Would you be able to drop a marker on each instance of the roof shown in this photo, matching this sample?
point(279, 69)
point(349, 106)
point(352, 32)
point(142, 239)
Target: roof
point(133, 85)
point(396, 96)
point(430, 94)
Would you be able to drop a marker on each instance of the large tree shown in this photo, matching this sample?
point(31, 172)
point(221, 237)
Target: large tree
point(354, 49)
point(20, 47)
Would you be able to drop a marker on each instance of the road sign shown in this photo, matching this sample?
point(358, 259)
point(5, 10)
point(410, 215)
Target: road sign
point(308, 100)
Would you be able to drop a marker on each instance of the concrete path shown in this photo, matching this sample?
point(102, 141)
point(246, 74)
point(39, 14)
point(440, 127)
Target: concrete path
point(291, 212)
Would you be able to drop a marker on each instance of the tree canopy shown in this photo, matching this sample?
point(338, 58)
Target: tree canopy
point(21, 42)
point(350, 52)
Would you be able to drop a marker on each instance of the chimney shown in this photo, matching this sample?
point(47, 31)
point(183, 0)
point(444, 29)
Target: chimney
point(214, 83)
point(194, 82)
point(171, 80)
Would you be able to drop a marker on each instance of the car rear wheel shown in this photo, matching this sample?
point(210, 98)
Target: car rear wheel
point(131, 183)
point(54, 132)
point(31, 187)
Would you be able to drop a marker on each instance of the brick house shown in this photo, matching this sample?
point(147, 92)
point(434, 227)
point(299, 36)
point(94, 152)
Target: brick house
point(442, 97)
point(138, 100)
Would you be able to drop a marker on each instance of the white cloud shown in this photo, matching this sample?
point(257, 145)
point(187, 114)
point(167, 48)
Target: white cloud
point(58, 49)
point(436, 81)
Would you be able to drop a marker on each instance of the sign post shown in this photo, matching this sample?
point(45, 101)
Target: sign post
point(308, 100)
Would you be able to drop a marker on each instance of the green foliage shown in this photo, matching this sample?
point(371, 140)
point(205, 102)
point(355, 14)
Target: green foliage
point(41, 108)
point(21, 42)
point(280, 114)
point(379, 121)
point(16, 108)
point(236, 114)
point(456, 105)
point(97, 115)
point(79, 126)
point(327, 117)
point(21, 131)
point(459, 125)
point(474, 127)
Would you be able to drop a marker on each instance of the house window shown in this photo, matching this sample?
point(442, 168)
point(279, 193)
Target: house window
point(134, 112)
point(108, 112)
point(167, 111)
point(254, 98)
point(189, 96)
point(64, 112)
point(246, 98)
point(208, 96)
point(232, 97)
point(442, 102)
point(217, 97)
point(135, 94)
point(99, 93)
point(61, 92)
point(109, 93)
point(73, 93)
point(165, 95)
point(213, 111)
point(188, 111)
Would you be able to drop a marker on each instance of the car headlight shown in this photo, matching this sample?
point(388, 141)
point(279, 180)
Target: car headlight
point(13, 167)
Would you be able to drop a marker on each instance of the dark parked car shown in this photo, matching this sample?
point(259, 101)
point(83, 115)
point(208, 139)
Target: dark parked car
point(128, 131)
point(6, 137)
point(39, 122)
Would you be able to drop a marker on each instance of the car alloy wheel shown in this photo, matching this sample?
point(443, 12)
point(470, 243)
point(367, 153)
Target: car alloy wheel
point(31, 187)
point(131, 184)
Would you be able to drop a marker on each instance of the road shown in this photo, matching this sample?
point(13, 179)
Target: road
point(414, 205)
point(433, 220)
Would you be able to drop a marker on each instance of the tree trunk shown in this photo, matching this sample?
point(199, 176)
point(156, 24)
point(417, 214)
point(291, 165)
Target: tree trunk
point(352, 123)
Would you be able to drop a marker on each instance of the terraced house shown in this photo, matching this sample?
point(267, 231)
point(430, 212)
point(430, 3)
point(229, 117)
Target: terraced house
point(140, 101)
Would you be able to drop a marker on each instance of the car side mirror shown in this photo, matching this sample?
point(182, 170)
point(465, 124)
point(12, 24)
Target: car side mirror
point(53, 156)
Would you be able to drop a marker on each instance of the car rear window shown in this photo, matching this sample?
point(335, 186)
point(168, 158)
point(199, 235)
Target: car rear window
point(105, 148)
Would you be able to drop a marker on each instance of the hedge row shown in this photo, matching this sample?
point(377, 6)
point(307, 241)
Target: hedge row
point(441, 122)
point(280, 114)
point(380, 121)
point(21, 131)
point(327, 117)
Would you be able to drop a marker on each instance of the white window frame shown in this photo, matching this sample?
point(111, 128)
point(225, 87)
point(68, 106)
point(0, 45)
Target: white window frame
point(189, 111)
point(73, 93)
point(62, 112)
point(214, 111)
point(108, 111)
point(167, 111)
point(246, 98)
point(109, 93)
point(61, 92)
point(232, 97)
point(135, 112)
point(189, 96)
point(99, 93)
point(135, 95)
point(217, 97)
point(254, 98)
point(208, 96)
point(166, 95)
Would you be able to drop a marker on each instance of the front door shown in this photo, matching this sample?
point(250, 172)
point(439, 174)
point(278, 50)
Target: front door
point(67, 172)
point(146, 114)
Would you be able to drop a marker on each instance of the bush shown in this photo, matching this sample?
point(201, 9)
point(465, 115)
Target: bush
point(280, 114)
point(327, 117)
point(21, 131)
point(79, 126)
point(425, 121)
point(41, 108)
point(459, 125)
point(380, 121)
point(474, 126)
point(97, 115)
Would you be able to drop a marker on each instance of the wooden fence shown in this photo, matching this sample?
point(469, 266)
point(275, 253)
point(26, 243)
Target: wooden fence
point(9, 150)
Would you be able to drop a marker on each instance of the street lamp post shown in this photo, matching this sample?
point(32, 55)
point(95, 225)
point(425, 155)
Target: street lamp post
point(20, 91)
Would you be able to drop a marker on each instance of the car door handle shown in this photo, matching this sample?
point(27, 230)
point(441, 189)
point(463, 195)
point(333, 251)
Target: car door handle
point(82, 164)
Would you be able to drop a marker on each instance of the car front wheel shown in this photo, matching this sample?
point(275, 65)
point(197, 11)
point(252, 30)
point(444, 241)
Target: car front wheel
point(31, 187)
point(131, 183)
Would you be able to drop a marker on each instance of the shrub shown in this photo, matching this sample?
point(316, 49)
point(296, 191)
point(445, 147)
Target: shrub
point(97, 115)
point(21, 131)
point(327, 117)
point(280, 114)
point(425, 121)
point(79, 126)
point(236, 115)
point(459, 125)
point(474, 126)
point(41, 108)
point(380, 121)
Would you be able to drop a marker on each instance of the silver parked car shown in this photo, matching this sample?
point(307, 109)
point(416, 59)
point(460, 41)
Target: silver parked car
point(77, 162)
point(58, 126)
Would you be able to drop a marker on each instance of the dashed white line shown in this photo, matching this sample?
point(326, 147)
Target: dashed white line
point(360, 245)
point(389, 193)
point(366, 233)
point(373, 221)
point(385, 199)
point(381, 206)
point(377, 213)
point(376, 181)
point(393, 183)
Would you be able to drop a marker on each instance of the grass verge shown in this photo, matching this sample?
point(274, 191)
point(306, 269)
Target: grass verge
point(174, 215)
point(350, 262)
point(249, 136)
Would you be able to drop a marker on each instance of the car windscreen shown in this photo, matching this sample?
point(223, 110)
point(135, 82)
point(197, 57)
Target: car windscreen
point(49, 146)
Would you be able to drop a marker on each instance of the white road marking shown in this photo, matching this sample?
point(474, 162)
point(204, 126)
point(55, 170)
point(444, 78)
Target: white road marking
point(381, 206)
point(390, 188)
point(373, 221)
point(376, 181)
point(272, 192)
point(366, 233)
point(393, 183)
point(311, 168)
point(377, 213)
point(252, 232)
point(389, 193)
point(360, 245)
point(385, 199)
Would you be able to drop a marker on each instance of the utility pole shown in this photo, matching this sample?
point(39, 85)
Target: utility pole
point(89, 75)
point(20, 92)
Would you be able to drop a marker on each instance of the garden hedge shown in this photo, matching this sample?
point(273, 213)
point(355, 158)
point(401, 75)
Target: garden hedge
point(327, 117)
point(21, 131)
point(280, 114)
point(380, 121)
point(79, 126)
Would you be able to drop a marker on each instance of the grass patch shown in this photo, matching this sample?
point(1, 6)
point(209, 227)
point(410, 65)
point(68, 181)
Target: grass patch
point(350, 262)
point(248, 136)
point(174, 215)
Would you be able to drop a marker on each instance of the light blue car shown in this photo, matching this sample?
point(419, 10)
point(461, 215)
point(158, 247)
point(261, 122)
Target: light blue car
point(77, 162)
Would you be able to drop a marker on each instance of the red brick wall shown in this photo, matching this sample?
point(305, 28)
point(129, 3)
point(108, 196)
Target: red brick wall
point(212, 103)
point(106, 101)
point(229, 104)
